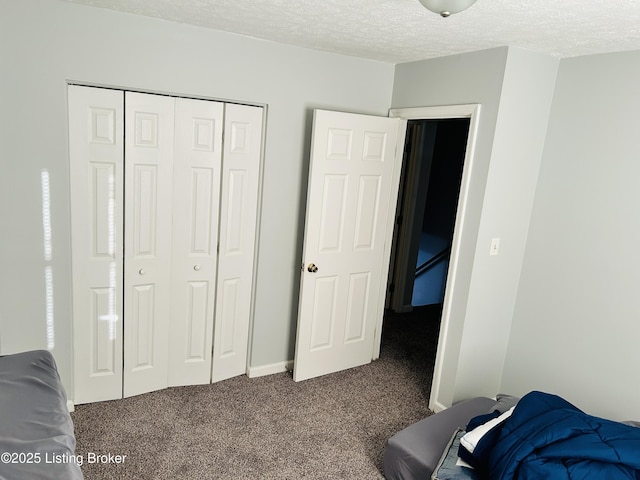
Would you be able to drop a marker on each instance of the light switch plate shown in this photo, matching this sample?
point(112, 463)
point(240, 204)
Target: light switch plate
point(495, 246)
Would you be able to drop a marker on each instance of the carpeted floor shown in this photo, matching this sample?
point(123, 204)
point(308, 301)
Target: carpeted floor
point(332, 427)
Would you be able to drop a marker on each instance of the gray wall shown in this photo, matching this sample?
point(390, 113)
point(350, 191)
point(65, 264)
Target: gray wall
point(523, 114)
point(570, 293)
point(45, 43)
point(514, 88)
point(446, 81)
point(577, 318)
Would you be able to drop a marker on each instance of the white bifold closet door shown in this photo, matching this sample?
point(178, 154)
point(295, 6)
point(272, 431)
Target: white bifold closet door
point(148, 195)
point(147, 189)
point(96, 151)
point(242, 142)
point(196, 194)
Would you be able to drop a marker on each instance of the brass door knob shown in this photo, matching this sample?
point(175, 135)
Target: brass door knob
point(312, 268)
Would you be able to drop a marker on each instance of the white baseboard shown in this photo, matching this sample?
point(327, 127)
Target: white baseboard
point(261, 371)
point(70, 406)
point(437, 407)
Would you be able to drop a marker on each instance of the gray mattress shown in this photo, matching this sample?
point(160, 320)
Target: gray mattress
point(413, 453)
point(36, 431)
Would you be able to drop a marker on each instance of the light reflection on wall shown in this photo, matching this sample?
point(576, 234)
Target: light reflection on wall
point(48, 257)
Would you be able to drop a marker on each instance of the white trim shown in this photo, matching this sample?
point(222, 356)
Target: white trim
point(70, 406)
point(263, 370)
point(164, 93)
point(256, 247)
point(471, 111)
point(437, 407)
point(436, 113)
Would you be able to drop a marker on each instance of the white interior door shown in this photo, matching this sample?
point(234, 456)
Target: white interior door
point(196, 200)
point(96, 139)
point(238, 220)
point(148, 186)
point(352, 194)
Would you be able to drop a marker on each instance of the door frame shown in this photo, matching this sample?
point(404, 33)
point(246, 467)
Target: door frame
point(472, 112)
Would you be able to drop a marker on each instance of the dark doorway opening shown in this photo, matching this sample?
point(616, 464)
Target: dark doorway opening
point(425, 220)
point(426, 214)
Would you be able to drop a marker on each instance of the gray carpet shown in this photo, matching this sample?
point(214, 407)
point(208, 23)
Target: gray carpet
point(332, 427)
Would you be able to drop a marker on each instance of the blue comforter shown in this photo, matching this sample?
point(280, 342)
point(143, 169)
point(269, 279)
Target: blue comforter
point(548, 438)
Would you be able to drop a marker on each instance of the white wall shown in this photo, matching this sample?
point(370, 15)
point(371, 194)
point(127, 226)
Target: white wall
point(515, 89)
point(45, 43)
point(577, 318)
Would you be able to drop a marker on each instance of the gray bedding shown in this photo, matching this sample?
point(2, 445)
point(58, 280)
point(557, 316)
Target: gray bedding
point(413, 453)
point(448, 468)
point(36, 431)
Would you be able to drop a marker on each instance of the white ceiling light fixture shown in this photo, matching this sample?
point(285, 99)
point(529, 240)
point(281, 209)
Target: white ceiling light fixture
point(447, 7)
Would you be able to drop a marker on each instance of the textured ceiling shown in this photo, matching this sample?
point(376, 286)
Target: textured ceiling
point(398, 31)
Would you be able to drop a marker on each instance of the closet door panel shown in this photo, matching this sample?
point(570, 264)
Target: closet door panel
point(196, 187)
point(148, 185)
point(238, 220)
point(96, 140)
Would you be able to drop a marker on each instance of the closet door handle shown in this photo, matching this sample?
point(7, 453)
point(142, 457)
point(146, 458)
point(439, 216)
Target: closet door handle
point(141, 271)
point(196, 267)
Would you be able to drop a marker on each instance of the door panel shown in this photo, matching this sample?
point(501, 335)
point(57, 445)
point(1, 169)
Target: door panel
point(324, 313)
point(238, 220)
point(357, 307)
point(351, 199)
point(334, 198)
point(229, 300)
point(142, 321)
point(149, 123)
point(196, 194)
point(367, 212)
point(96, 139)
